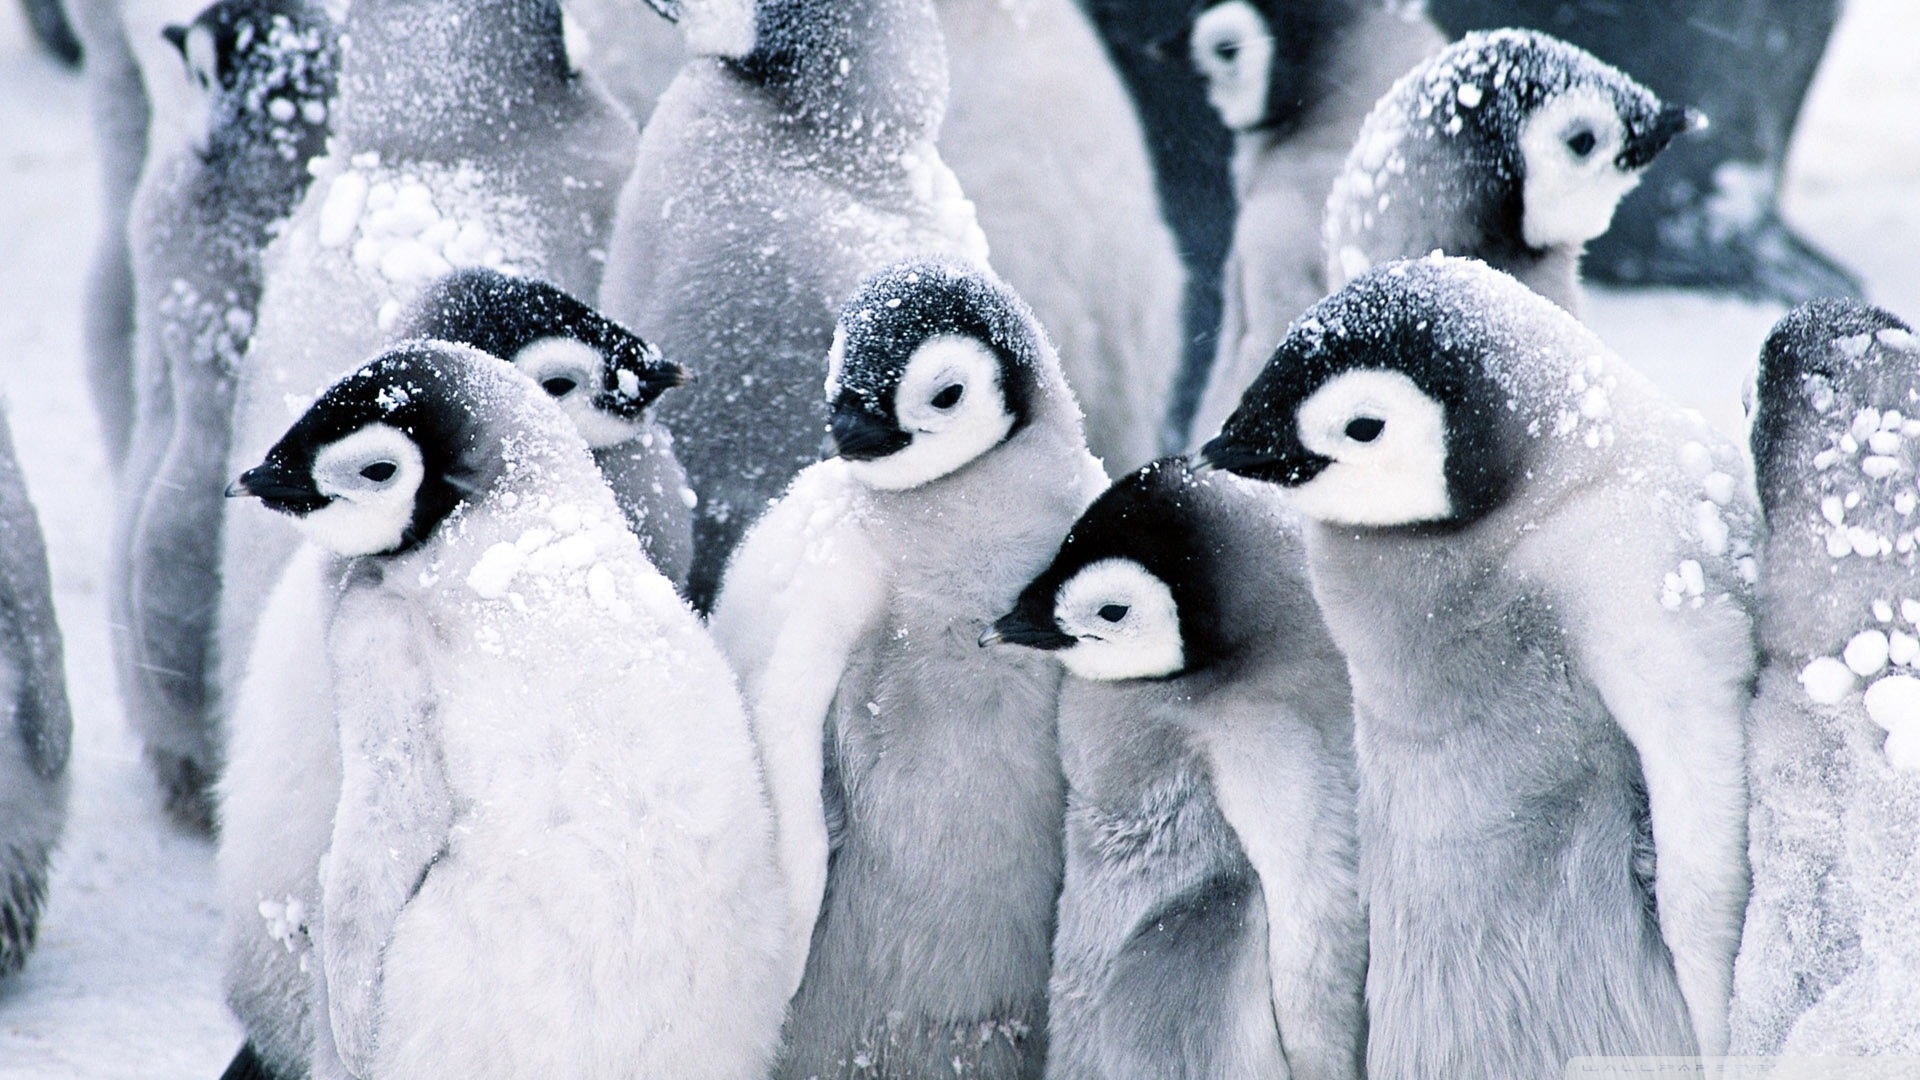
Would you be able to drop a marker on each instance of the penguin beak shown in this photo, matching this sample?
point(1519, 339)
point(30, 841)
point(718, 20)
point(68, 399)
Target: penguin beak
point(176, 36)
point(652, 376)
point(1287, 470)
point(668, 9)
point(858, 435)
point(1015, 628)
point(277, 489)
point(1645, 145)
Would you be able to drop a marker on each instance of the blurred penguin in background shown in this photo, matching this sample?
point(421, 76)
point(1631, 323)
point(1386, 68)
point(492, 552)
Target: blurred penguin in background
point(1292, 79)
point(1829, 953)
point(36, 727)
point(1207, 740)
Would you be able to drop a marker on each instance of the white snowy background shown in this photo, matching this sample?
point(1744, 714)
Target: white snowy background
point(126, 979)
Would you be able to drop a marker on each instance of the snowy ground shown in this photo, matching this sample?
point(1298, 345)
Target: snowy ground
point(126, 979)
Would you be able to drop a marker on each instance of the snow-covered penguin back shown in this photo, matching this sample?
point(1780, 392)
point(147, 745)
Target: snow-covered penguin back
point(1510, 146)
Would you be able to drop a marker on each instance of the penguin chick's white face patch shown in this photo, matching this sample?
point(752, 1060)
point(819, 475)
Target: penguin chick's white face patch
point(570, 372)
point(950, 403)
point(723, 28)
point(1388, 445)
point(1570, 148)
point(1233, 50)
point(1125, 620)
point(371, 477)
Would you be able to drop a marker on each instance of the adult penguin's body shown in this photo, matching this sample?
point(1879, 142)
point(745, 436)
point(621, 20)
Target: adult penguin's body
point(461, 136)
point(1207, 739)
point(36, 726)
point(1046, 144)
point(793, 155)
point(1539, 572)
point(552, 853)
point(1828, 952)
point(201, 219)
point(852, 612)
point(1293, 81)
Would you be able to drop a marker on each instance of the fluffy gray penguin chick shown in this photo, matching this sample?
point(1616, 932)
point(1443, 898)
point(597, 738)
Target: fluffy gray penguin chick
point(603, 375)
point(552, 853)
point(1510, 147)
point(1292, 79)
point(264, 72)
point(1543, 599)
point(1829, 953)
point(1207, 740)
point(792, 156)
point(36, 726)
point(916, 777)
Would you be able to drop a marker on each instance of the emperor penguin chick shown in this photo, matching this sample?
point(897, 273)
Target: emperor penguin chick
point(1539, 571)
point(36, 726)
point(461, 137)
point(1207, 739)
point(203, 215)
point(1829, 950)
point(851, 611)
point(552, 854)
point(603, 375)
point(1292, 79)
point(1511, 147)
point(792, 156)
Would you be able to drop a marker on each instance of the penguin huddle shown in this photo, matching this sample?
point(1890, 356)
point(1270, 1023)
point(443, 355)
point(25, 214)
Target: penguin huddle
point(563, 707)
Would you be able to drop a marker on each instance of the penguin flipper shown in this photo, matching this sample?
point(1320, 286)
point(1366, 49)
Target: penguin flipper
point(29, 633)
point(394, 817)
point(1677, 683)
point(801, 591)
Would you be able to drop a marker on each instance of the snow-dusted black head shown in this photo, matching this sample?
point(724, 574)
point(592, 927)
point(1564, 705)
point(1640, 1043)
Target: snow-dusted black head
point(933, 364)
point(603, 375)
point(1838, 391)
point(385, 454)
point(1383, 406)
point(1512, 143)
point(263, 70)
point(1266, 61)
point(1132, 593)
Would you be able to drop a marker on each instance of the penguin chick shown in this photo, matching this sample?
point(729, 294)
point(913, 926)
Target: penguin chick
point(851, 612)
point(1207, 740)
point(1511, 147)
point(1834, 731)
point(36, 726)
point(552, 854)
point(1292, 79)
point(204, 213)
point(1544, 607)
point(602, 374)
point(791, 157)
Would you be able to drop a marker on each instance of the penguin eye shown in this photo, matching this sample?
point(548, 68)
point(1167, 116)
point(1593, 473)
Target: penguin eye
point(559, 385)
point(380, 471)
point(1365, 428)
point(1581, 143)
point(948, 397)
point(1226, 50)
point(1113, 612)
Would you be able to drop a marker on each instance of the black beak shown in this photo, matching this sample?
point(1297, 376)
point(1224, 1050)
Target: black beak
point(1015, 628)
point(859, 435)
point(656, 376)
point(277, 489)
point(1286, 470)
point(1645, 145)
point(668, 9)
point(176, 36)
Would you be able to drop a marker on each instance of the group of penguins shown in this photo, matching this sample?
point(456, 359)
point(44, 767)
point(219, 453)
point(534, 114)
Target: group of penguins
point(1457, 706)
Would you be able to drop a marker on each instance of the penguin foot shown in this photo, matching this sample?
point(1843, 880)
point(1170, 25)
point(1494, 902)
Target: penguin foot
point(246, 1065)
point(53, 31)
point(1765, 261)
point(187, 787)
point(23, 888)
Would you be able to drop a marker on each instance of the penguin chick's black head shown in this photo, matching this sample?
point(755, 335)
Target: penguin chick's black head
point(933, 364)
point(1382, 406)
point(1266, 62)
point(1132, 592)
point(268, 68)
point(602, 374)
point(1543, 139)
point(384, 455)
point(1823, 364)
